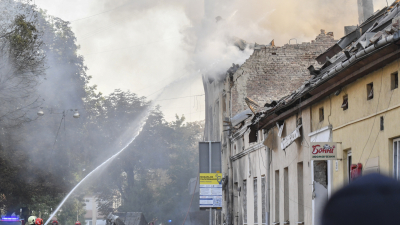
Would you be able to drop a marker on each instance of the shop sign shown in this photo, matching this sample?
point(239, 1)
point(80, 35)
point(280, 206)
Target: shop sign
point(323, 150)
point(286, 141)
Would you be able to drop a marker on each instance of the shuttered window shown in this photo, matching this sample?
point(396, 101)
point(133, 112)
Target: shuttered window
point(245, 202)
point(263, 200)
point(255, 200)
point(396, 159)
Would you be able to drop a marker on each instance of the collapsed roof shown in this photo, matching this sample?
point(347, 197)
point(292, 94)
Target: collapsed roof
point(379, 31)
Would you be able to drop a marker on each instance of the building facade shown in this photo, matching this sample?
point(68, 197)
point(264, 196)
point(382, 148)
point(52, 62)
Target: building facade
point(271, 72)
point(268, 112)
point(349, 100)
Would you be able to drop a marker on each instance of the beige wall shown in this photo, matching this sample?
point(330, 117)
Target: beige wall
point(358, 127)
point(297, 152)
point(250, 166)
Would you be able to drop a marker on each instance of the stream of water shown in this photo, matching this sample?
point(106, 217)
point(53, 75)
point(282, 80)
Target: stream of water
point(140, 127)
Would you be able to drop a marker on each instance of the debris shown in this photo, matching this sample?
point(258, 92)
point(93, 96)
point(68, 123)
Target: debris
point(252, 105)
point(376, 37)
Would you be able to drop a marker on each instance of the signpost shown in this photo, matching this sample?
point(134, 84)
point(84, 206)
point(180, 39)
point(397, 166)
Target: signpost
point(210, 176)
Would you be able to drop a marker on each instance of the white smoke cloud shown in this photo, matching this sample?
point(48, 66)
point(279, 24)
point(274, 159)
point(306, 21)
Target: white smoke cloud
point(144, 45)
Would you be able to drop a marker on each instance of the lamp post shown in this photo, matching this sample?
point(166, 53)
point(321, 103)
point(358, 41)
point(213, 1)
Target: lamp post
point(76, 114)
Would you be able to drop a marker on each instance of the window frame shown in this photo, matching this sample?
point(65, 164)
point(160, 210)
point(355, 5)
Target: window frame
point(321, 114)
point(396, 158)
point(255, 201)
point(394, 80)
point(349, 162)
point(370, 91)
point(345, 104)
point(244, 202)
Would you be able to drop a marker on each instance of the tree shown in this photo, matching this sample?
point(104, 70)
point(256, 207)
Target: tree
point(21, 65)
point(36, 170)
point(41, 161)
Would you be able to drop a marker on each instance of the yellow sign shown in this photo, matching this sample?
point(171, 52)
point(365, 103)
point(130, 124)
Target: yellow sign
point(210, 178)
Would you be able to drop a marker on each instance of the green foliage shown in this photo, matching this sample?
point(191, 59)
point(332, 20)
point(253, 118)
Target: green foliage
point(23, 34)
point(152, 176)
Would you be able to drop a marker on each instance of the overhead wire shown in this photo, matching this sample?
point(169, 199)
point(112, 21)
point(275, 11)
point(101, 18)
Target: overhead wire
point(87, 17)
point(373, 124)
point(390, 99)
point(178, 97)
point(58, 131)
point(133, 46)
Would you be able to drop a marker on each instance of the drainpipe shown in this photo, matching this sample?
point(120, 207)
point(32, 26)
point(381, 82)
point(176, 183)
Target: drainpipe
point(230, 175)
point(268, 156)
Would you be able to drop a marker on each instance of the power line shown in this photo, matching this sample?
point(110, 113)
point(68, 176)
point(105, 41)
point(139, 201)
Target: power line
point(178, 98)
point(133, 46)
point(373, 124)
point(100, 13)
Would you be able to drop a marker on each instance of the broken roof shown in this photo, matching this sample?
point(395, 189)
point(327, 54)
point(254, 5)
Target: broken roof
point(241, 116)
point(350, 49)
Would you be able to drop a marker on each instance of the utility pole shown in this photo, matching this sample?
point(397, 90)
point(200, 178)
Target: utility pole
point(209, 170)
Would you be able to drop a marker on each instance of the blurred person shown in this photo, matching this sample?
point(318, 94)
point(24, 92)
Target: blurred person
point(39, 221)
point(55, 222)
point(370, 199)
point(31, 220)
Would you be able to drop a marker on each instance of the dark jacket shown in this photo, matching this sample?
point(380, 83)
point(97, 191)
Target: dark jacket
point(371, 199)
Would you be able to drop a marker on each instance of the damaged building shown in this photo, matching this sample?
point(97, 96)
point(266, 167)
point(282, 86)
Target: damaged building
point(271, 72)
point(267, 113)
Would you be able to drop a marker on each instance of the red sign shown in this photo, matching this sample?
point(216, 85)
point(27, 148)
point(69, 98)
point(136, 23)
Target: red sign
point(323, 151)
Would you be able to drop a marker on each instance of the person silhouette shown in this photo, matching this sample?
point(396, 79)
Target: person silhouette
point(369, 199)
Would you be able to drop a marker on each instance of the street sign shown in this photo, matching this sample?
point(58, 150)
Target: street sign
point(210, 190)
point(210, 175)
point(210, 157)
point(323, 151)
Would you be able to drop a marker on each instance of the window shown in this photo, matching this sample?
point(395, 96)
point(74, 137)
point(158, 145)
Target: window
point(277, 196)
point(255, 200)
point(394, 77)
point(224, 109)
point(253, 135)
point(396, 158)
point(245, 202)
point(300, 190)
point(382, 123)
point(263, 200)
point(286, 195)
point(345, 104)
point(321, 114)
point(370, 91)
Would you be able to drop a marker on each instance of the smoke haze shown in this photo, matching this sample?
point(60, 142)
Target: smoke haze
point(144, 45)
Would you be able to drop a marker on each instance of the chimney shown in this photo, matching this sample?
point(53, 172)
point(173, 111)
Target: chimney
point(365, 10)
point(349, 29)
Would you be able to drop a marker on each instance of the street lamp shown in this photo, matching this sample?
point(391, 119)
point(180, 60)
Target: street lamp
point(76, 114)
point(40, 112)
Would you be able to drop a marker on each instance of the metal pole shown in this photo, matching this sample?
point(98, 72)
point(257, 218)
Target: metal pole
point(209, 170)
